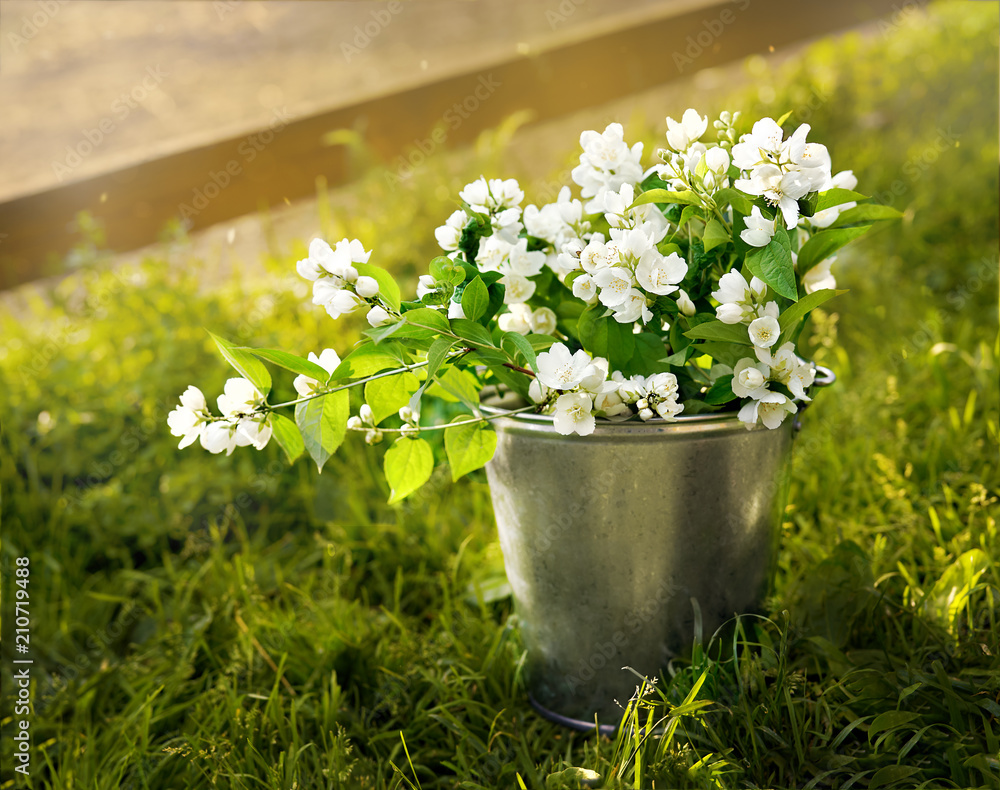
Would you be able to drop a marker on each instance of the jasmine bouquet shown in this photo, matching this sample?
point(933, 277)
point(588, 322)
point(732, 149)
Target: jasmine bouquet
point(674, 288)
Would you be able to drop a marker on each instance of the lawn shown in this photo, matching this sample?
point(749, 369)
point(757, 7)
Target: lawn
point(203, 621)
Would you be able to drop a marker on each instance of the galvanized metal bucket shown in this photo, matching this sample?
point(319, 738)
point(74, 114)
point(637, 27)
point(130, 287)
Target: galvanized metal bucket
point(611, 541)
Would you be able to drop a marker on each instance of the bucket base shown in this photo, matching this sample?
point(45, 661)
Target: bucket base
point(574, 724)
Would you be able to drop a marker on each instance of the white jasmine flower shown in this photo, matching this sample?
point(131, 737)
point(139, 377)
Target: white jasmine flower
point(585, 288)
point(477, 195)
point(219, 436)
point(606, 163)
point(608, 402)
point(633, 309)
point(684, 303)
point(660, 275)
point(771, 410)
point(780, 189)
point(505, 193)
point(378, 316)
point(759, 230)
point(764, 331)
point(256, 432)
point(426, 285)
point(556, 222)
point(788, 369)
point(507, 224)
point(615, 283)
point(568, 259)
point(680, 134)
point(597, 255)
point(717, 160)
point(352, 251)
point(517, 320)
point(595, 375)
point(819, 277)
point(517, 289)
point(328, 360)
point(455, 310)
point(450, 234)
point(189, 419)
point(366, 287)
point(661, 396)
point(574, 414)
point(761, 146)
point(543, 321)
point(493, 254)
point(341, 303)
point(733, 288)
point(520, 261)
point(537, 391)
point(239, 398)
point(558, 369)
point(750, 378)
point(616, 204)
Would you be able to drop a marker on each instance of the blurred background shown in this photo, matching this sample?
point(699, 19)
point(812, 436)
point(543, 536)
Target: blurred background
point(200, 618)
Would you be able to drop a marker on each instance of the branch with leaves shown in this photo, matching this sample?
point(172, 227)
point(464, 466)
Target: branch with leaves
point(677, 289)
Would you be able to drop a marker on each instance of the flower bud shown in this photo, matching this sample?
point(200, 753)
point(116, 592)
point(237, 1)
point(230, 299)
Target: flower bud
point(373, 436)
point(377, 316)
point(366, 414)
point(354, 423)
point(366, 287)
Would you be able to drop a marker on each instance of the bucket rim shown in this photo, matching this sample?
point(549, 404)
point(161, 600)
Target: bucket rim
point(494, 407)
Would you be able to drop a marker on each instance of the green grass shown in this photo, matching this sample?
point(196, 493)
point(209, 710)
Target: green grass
point(235, 623)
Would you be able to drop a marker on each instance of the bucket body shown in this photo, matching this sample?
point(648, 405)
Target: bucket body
point(609, 538)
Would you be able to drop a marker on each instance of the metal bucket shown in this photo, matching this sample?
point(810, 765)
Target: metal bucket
point(610, 540)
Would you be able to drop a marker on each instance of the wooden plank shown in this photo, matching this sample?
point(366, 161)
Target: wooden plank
point(239, 175)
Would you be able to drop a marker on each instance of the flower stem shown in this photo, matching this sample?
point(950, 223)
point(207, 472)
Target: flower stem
point(442, 426)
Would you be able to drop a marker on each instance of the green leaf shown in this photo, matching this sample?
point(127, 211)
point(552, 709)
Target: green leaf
point(444, 269)
point(389, 394)
point(246, 364)
point(387, 288)
point(366, 360)
point(469, 447)
point(287, 435)
point(521, 344)
point(715, 235)
point(824, 244)
point(496, 362)
point(891, 720)
point(837, 196)
point(891, 775)
point(804, 306)
point(457, 385)
point(436, 356)
point(865, 213)
point(716, 330)
point(724, 353)
point(473, 332)
point(738, 200)
point(666, 196)
point(380, 333)
point(784, 118)
point(689, 213)
point(475, 299)
point(323, 423)
point(721, 391)
point(408, 464)
point(496, 291)
point(649, 355)
point(426, 318)
point(291, 362)
point(773, 264)
point(602, 336)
